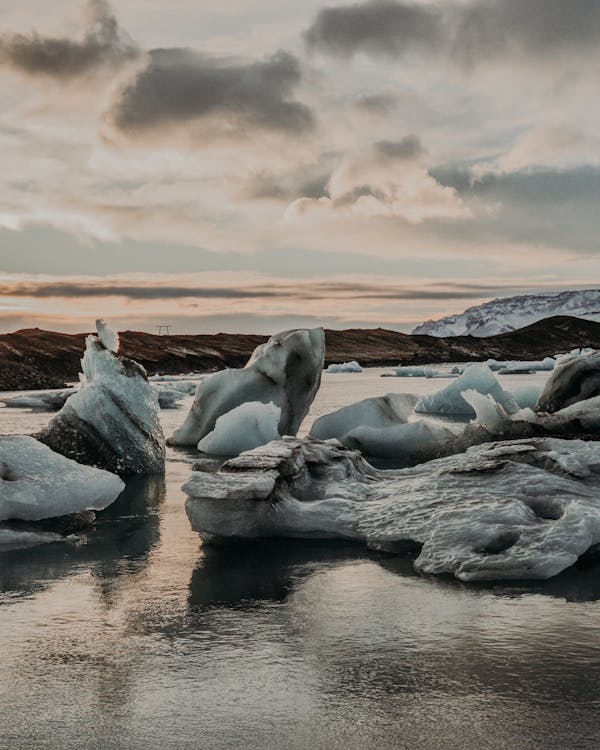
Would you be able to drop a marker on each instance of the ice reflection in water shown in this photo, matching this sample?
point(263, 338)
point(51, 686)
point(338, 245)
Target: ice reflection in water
point(137, 637)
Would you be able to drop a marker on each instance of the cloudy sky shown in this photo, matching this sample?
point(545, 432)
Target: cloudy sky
point(250, 165)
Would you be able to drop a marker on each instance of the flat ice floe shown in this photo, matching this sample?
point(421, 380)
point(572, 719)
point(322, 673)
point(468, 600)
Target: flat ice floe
point(112, 420)
point(352, 366)
point(507, 510)
point(285, 371)
point(40, 400)
point(36, 483)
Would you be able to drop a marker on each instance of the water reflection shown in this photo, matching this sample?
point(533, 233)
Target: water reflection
point(237, 574)
point(117, 544)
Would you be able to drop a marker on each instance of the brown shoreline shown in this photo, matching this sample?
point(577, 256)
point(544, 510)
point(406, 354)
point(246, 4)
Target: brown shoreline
point(34, 358)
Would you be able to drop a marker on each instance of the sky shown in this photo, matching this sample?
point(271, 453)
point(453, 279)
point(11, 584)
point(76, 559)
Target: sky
point(254, 165)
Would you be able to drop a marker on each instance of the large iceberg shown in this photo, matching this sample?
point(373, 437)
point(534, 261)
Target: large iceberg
point(112, 420)
point(36, 483)
point(518, 509)
point(285, 371)
point(449, 400)
point(247, 426)
point(575, 378)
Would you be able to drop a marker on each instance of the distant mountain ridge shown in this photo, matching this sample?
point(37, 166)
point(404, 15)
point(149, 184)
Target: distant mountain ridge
point(511, 313)
point(33, 358)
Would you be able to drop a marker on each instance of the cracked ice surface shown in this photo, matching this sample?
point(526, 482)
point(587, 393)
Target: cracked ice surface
point(507, 510)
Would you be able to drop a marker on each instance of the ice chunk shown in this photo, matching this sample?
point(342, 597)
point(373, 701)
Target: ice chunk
point(168, 398)
point(575, 378)
point(515, 368)
point(285, 371)
point(378, 427)
point(476, 377)
point(112, 421)
point(41, 401)
point(345, 367)
point(380, 411)
point(247, 426)
point(527, 395)
point(108, 337)
point(413, 371)
point(506, 510)
point(413, 442)
point(37, 483)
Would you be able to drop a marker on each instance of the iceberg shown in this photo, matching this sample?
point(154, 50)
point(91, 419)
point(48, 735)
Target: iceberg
point(476, 377)
point(247, 426)
point(407, 444)
point(345, 367)
point(524, 367)
point(379, 427)
point(168, 398)
point(36, 483)
point(41, 401)
point(112, 420)
point(377, 412)
point(507, 510)
point(285, 371)
point(575, 378)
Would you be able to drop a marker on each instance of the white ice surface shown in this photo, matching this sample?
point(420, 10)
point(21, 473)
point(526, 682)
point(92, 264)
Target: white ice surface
point(247, 426)
point(108, 337)
point(36, 482)
point(476, 377)
point(516, 509)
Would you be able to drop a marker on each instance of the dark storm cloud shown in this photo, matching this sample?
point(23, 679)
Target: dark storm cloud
point(470, 33)
point(377, 104)
point(408, 147)
point(179, 85)
point(543, 207)
point(104, 44)
point(379, 27)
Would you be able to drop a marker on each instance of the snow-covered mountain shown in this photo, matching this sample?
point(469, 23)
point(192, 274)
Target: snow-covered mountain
point(510, 313)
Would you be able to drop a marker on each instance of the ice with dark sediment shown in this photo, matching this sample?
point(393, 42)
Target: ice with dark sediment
point(285, 371)
point(38, 484)
point(506, 510)
point(575, 378)
point(112, 420)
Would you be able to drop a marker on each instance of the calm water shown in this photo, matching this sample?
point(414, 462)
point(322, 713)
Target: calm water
point(138, 637)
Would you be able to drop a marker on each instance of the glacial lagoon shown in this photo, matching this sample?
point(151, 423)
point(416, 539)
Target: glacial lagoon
point(135, 635)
